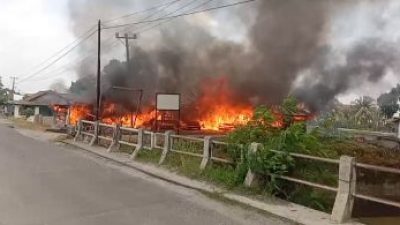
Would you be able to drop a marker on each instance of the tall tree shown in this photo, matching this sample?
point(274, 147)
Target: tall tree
point(364, 110)
point(388, 101)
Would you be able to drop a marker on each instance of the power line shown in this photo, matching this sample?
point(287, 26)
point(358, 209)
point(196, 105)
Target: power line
point(58, 58)
point(60, 70)
point(170, 13)
point(168, 17)
point(149, 16)
point(139, 12)
point(84, 36)
point(63, 49)
point(155, 13)
point(63, 68)
point(180, 15)
point(169, 20)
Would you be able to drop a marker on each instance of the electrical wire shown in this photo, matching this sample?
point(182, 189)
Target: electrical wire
point(161, 9)
point(169, 16)
point(169, 20)
point(139, 12)
point(170, 13)
point(62, 49)
point(179, 15)
point(85, 36)
point(57, 59)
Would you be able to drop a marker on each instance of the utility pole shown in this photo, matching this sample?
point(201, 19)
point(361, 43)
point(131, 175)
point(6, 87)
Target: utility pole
point(127, 37)
point(12, 88)
point(98, 70)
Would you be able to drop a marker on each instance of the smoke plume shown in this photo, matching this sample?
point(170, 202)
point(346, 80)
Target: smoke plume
point(285, 48)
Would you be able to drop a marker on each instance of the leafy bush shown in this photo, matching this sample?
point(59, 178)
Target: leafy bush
point(27, 111)
point(276, 129)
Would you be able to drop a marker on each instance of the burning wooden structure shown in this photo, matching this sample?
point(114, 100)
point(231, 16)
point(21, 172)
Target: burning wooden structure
point(215, 109)
point(46, 107)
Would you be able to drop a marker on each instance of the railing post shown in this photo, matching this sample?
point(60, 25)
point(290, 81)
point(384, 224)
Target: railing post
point(206, 152)
point(344, 201)
point(115, 142)
point(152, 140)
point(251, 177)
point(167, 146)
point(96, 133)
point(139, 144)
point(78, 132)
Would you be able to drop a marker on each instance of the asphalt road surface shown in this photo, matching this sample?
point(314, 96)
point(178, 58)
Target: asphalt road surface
point(42, 183)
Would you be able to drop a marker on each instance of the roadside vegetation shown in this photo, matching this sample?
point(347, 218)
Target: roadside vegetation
point(289, 136)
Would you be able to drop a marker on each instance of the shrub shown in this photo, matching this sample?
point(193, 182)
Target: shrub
point(27, 111)
point(276, 129)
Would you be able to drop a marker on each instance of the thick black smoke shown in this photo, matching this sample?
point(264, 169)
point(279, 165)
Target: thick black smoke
point(368, 61)
point(283, 51)
point(285, 39)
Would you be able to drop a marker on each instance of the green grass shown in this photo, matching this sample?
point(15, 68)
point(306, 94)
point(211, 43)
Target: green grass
point(231, 178)
point(313, 198)
point(185, 165)
point(222, 175)
point(149, 156)
point(189, 166)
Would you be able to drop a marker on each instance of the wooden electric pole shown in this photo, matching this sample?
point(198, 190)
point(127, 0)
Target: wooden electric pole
point(98, 71)
point(11, 97)
point(127, 38)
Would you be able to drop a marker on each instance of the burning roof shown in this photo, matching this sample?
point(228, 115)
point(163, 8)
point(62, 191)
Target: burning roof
point(286, 48)
point(216, 108)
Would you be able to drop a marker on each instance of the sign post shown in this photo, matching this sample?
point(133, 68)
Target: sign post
point(168, 102)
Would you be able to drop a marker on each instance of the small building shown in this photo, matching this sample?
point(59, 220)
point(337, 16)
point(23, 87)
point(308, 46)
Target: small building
point(44, 107)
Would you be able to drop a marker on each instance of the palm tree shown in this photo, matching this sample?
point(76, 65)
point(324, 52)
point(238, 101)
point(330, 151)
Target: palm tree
point(343, 116)
point(364, 110)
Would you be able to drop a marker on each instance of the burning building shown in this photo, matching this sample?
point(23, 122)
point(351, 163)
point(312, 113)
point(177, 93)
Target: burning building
point(284, 48)
point(215, 108)
point(46, 107)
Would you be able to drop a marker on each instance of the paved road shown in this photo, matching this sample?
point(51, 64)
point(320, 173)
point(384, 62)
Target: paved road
point(41, 183)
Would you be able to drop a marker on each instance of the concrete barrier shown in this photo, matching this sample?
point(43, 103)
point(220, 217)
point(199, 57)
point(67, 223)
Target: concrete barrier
point(251, 177)
point(345, 191)
point(167, 146)
point(206, 152)
point(96, 133)
point(344, 201)
point(115, 142)
point(139, 145)
point(78, 131)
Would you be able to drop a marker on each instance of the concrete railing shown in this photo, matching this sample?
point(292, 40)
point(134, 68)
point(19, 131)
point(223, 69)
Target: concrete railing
point(365, 132)
point(88, 130)
point(345, 191)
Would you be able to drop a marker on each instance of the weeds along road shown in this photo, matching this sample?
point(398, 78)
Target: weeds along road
point(42, 183)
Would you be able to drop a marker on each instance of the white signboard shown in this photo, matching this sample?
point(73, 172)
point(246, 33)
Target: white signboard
point(168, 102)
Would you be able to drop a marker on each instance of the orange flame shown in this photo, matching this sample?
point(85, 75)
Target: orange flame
point(217, 107)
point(78, 112)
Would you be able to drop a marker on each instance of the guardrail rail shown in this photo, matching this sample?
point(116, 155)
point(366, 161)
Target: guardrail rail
point(345, 190)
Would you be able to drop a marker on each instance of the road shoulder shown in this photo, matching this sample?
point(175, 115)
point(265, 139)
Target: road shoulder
point(277, 207)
